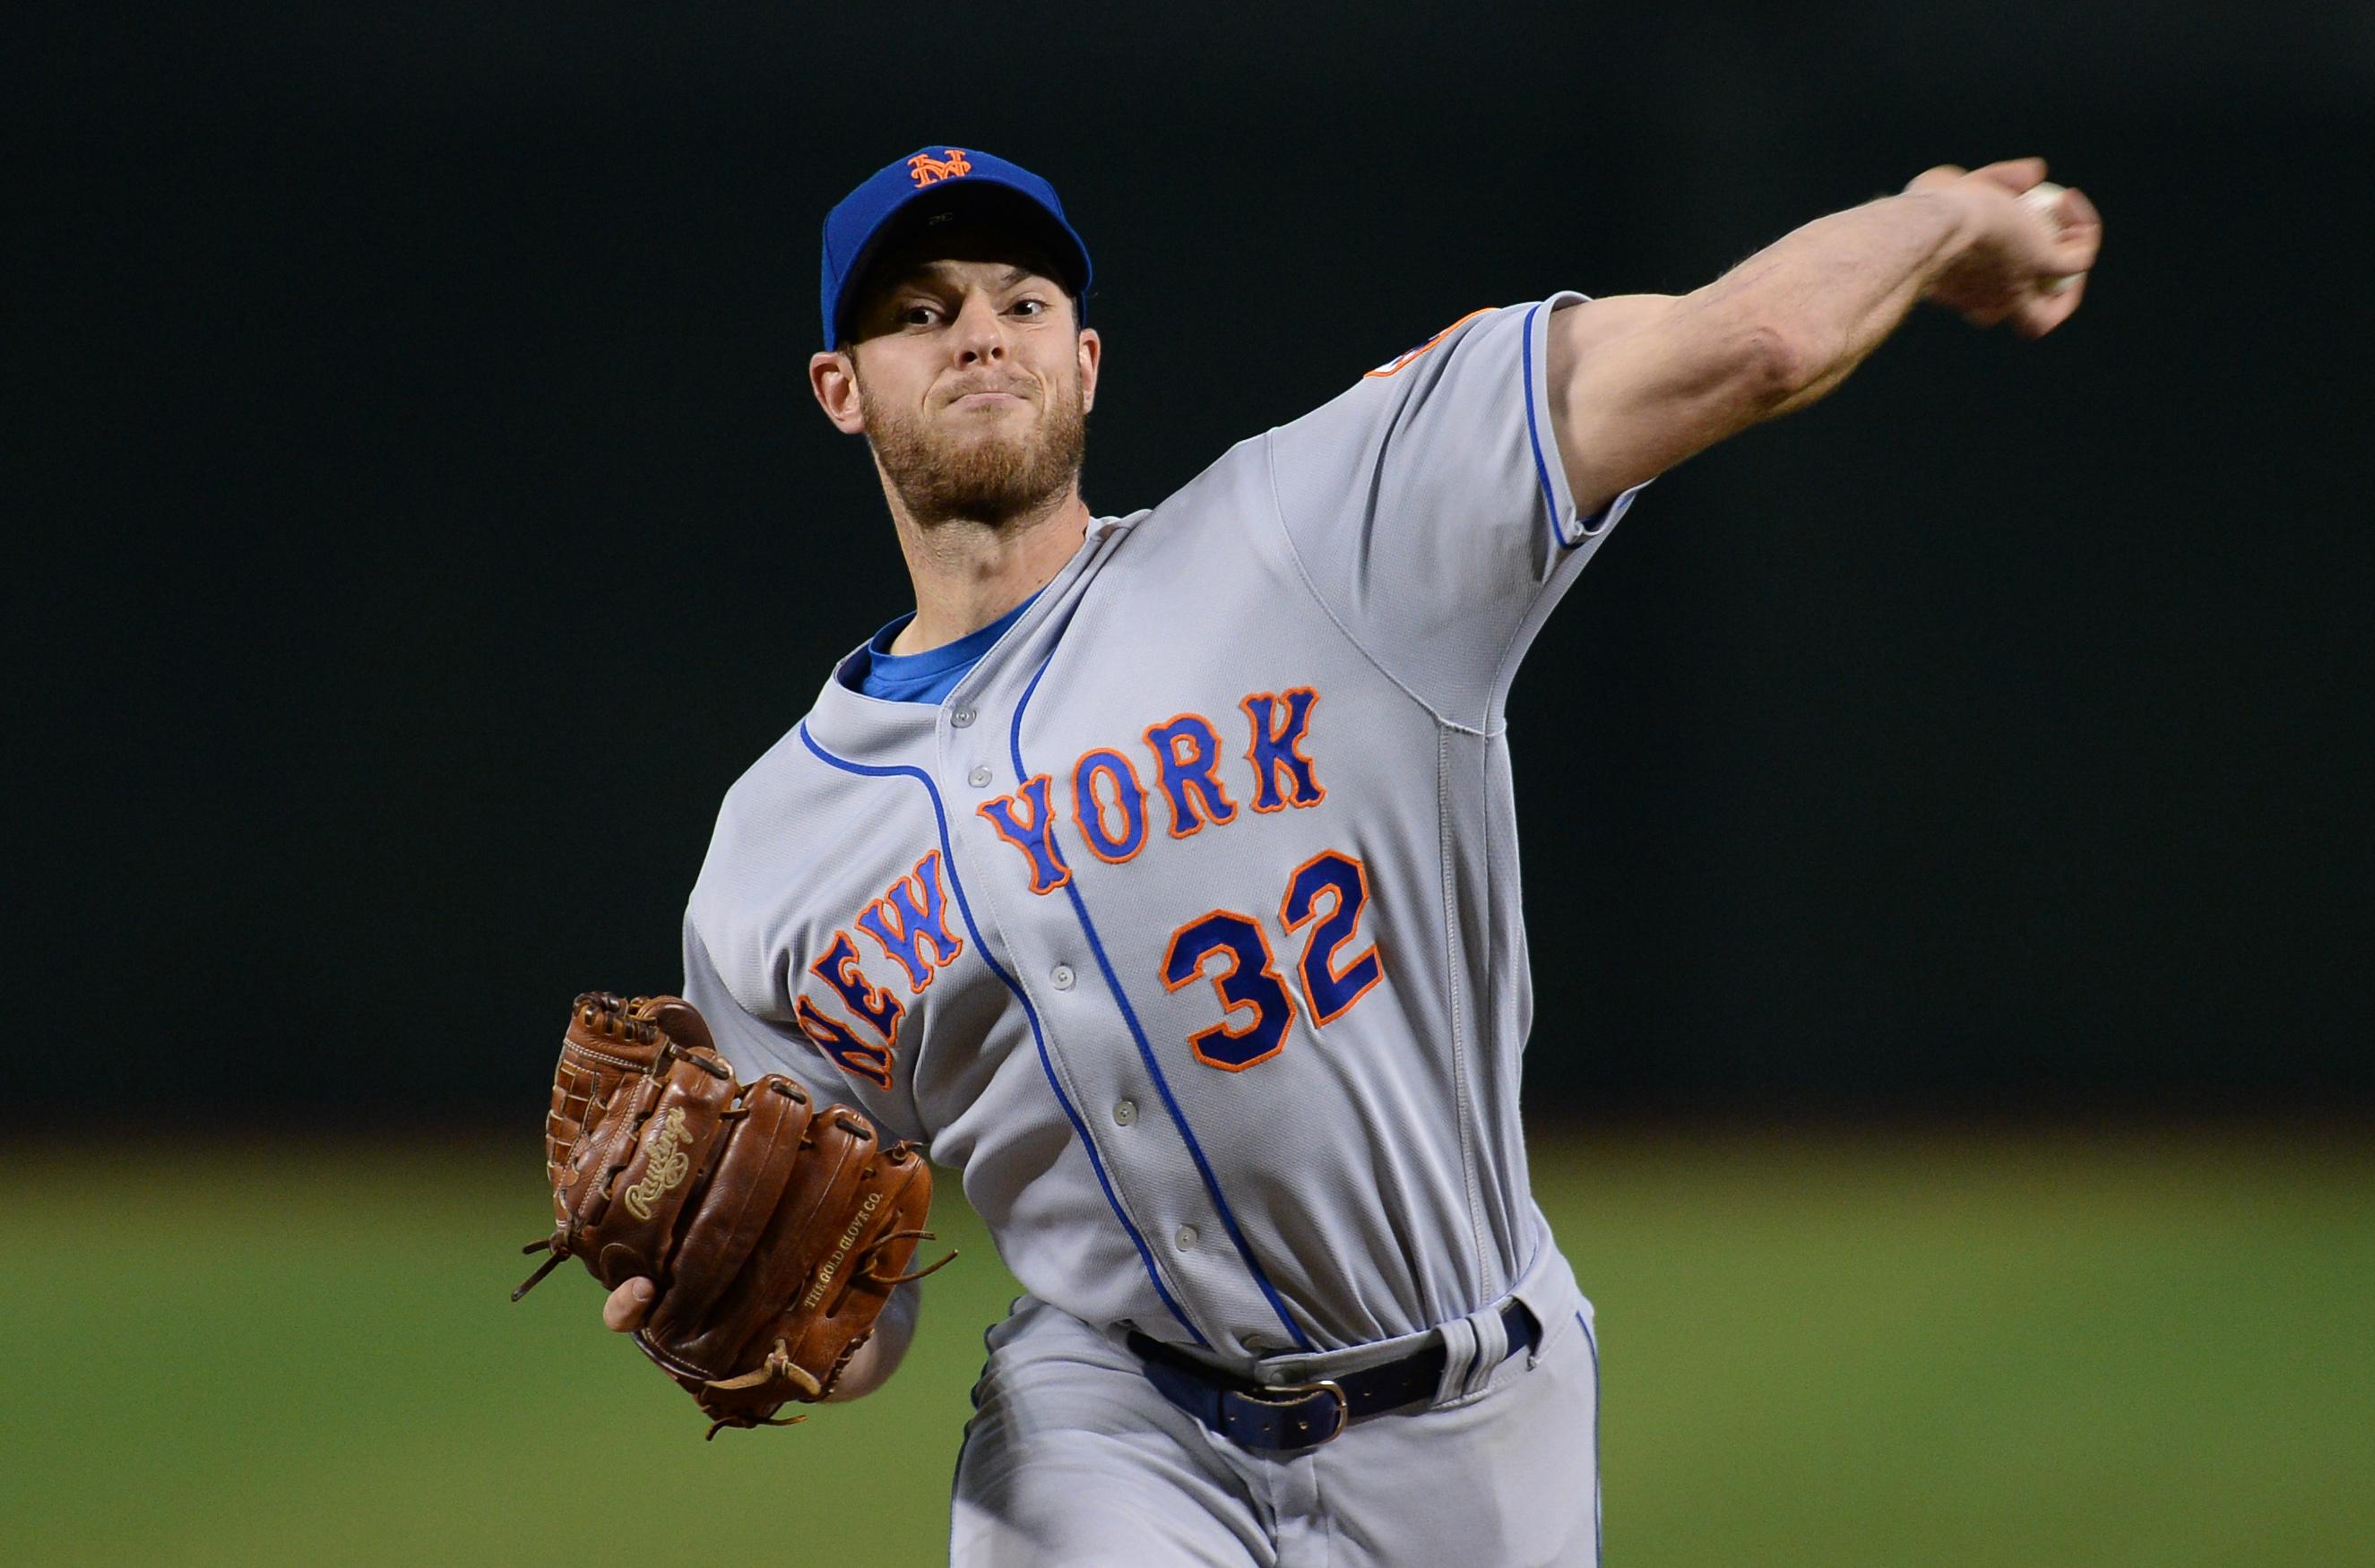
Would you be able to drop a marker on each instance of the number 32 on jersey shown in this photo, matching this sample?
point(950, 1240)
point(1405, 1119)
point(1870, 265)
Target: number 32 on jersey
point(1327, 894)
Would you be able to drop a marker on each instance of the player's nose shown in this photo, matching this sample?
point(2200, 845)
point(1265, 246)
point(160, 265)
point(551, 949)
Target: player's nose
point(980, 332)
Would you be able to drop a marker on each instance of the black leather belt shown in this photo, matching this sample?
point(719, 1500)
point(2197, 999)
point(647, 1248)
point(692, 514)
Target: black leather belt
point(1292, 1417)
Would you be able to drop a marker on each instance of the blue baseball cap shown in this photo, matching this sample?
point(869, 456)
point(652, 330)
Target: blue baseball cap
point(930, 182)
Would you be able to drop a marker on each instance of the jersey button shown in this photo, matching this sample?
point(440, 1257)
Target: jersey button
point(961, 717)
point(978, 778)
point(1061, 978)
point(1125, 1113)
point(1186, 1238)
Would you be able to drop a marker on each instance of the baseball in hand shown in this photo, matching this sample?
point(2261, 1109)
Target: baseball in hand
point(2044, 198)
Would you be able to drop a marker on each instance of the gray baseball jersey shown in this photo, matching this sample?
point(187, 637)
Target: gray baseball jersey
point(1188, 927)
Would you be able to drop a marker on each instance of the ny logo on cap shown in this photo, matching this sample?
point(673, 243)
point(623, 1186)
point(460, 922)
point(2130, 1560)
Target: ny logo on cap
point(927, 169)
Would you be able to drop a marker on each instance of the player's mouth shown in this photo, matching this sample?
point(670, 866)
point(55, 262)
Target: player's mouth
point(990, 396)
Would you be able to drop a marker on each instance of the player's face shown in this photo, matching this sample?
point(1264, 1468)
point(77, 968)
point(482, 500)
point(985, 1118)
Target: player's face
point(972, 384)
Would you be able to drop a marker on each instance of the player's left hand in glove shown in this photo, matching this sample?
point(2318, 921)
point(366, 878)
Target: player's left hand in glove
point(773, 1229)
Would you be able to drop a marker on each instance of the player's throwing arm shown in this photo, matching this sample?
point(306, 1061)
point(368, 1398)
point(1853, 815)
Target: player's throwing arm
point(1639, 383)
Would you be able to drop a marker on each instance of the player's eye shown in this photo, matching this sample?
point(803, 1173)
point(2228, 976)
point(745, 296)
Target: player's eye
point(918, 314)
point(1030, 307)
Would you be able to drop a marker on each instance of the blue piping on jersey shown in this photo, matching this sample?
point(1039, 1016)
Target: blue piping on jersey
point(1534, 435)
point(949, 859)
point(1598, 1553)
point(1146, 1052)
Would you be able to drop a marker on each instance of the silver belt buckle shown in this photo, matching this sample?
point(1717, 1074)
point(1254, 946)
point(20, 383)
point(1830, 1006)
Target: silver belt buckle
point(1295, 1393)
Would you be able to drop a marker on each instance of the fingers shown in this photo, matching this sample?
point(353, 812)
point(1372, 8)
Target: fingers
point(2081, 239)
point(2015, 174)
point(2033, 315)
point(2076, 240)
point(2078, 209)
point(2046, 311)
point(626, 1306)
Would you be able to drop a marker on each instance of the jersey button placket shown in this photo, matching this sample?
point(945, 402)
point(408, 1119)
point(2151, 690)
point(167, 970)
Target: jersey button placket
point(1142, 1153)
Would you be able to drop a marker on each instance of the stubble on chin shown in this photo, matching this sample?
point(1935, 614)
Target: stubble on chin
point(992, 479)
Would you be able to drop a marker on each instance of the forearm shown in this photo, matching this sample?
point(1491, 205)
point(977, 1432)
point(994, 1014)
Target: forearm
point(1639, 383)
point(1828, 293)
point(876, 1359)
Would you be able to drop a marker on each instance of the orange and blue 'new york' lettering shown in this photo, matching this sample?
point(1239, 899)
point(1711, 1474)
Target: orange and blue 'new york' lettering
point(1023, 820)
point(1281, 720)
point(911, 917)
point(839, 970)
point(871, 1063)
point(1089, 805)
point(1189, 754)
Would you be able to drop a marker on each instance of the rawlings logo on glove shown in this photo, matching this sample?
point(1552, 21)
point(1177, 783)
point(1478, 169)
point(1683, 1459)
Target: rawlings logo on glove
point(666, 1165)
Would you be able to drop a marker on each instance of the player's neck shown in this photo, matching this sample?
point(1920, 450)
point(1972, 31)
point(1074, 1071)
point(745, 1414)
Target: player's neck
point(967, 575)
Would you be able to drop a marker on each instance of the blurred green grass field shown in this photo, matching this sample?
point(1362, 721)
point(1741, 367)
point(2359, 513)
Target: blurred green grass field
point(1869, 1348)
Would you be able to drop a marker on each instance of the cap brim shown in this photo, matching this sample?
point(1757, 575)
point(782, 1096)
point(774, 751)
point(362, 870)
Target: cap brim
point(981, 200)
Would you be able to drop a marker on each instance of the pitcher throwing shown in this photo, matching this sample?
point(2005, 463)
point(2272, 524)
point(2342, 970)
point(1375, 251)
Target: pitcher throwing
point(1159, 872)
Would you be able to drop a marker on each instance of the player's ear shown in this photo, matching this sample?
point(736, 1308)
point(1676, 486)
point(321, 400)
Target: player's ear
point(834, 378)
point(1092, 350)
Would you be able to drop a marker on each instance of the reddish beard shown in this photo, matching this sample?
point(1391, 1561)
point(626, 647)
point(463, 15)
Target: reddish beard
point(988, 478)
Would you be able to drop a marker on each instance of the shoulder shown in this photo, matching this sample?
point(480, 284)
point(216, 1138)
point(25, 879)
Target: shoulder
point(780, 775)
point(1491, 323)
point(1201, 515)
point(1425, 398)
point(766, 833)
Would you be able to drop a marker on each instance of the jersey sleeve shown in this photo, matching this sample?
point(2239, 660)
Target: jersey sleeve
point(755, 1045)
point(1428, 509)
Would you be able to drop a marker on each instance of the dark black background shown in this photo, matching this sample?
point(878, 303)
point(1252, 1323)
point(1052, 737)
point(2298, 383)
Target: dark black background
point(428, 518)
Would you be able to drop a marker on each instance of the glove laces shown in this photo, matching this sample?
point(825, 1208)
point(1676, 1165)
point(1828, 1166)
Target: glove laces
point(866, 1260)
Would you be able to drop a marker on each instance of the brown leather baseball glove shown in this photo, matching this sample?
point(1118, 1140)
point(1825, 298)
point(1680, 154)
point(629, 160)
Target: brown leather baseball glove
point(772, 1228)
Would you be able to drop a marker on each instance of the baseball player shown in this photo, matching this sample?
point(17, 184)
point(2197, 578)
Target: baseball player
point(1159, 872)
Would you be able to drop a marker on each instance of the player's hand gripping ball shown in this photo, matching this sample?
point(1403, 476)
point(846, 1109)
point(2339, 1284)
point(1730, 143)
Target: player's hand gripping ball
point(773, 1229)
point(2032, 245)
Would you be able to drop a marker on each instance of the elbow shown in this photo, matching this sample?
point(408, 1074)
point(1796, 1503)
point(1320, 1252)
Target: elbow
point(1776, 364)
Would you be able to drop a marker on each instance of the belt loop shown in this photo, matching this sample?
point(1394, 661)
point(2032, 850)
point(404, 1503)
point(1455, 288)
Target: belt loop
point(1492, 1348)
point(1459, 1359)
